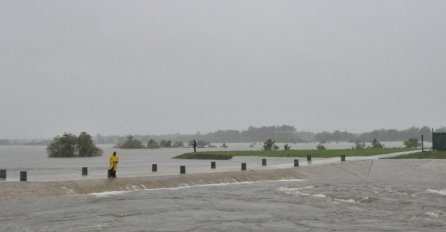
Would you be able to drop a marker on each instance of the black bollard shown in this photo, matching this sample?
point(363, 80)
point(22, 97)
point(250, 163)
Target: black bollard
point(309, 158)
point(342, 157)
point(243, 166)
point(3, 174)
point(296, 163)
point(182, 169)
point(84, 171)
point(213, 166)
point(23, 176)
point(263, 162)
point(154, 167)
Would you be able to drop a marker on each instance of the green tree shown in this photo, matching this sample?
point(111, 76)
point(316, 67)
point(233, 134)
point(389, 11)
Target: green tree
point(359, 145)
point(320, 147)
point(268, 145)
point(376, 144)
point(68, 145)
point(286, 147)
point(62, 146)
point(410, 143)
point(166, 143)
point(131, 143)
point(152, 144)
point(178, 144)
point(86, 147)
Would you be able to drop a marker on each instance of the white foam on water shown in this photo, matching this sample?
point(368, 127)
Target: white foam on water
point(298, 191)
point(345, 200)
point(294, 191)
point(185, 186)
point(286, 180)
point(433, 214)
point(440, 192)
point(111, 193)
point(188, 186)
point(68, 190)
point(319, 195)
point(268, 181)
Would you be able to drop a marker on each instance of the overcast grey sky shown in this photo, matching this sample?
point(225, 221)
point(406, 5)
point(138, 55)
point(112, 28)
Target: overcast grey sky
point(160, 66)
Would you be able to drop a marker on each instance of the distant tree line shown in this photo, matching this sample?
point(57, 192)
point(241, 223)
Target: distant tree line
point(26, 142)
point(283, 134)
point(133, 143)
point(5, 142)
point(253, 134)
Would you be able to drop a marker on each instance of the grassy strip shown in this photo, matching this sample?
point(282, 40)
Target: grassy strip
point(224, 155)
point(423, 155)
point(204, 155)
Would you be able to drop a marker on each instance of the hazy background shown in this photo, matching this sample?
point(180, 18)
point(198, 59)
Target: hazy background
point(153, 67)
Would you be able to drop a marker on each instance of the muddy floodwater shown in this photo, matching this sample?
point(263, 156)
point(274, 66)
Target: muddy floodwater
point(136, 162)
point(296, 205)
point(362, 195)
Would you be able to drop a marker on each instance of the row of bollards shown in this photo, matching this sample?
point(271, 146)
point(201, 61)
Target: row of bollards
point(24, 177)
point(243, 165)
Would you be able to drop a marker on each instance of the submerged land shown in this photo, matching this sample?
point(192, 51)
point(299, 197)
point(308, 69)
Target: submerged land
point(381, 169)
point(225, 155)
point(423, 155)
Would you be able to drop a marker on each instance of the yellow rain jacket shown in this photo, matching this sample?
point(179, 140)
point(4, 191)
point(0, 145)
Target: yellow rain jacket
point(113, 162)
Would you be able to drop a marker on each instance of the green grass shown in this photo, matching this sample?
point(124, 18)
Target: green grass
point(224, 155)
point(423, 155)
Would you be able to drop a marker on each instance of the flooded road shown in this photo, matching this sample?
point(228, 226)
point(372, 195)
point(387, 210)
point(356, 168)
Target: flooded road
point(368, 195)
point(138, 162)
point(297, 205)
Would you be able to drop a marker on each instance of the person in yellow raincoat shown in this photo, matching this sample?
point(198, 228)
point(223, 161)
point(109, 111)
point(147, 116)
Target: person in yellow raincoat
point(112, 164)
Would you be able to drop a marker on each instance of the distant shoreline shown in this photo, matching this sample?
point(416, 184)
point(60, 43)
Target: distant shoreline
point(327, 153)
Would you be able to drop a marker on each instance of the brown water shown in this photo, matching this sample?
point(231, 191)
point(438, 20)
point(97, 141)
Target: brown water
point(384, 199)
point(318, 205)
point(35, 161)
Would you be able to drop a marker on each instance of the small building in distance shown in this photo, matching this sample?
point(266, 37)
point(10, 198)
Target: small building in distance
point(439, 141)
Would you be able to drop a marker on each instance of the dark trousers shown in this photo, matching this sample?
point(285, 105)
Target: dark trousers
point(111, 173)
